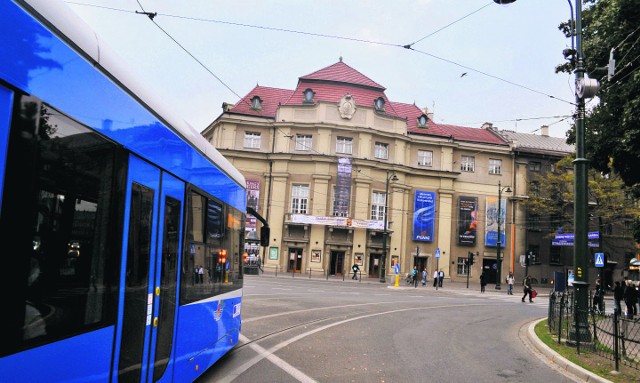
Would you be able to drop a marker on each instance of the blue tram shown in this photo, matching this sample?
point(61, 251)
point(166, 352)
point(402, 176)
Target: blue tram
point(122, 227)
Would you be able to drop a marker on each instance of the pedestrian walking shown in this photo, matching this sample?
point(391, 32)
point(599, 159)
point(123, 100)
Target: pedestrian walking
point(598, 297)
point(483, 282)
point(630, 299)
point(424, 277)
point(527, 288)
point(510, 281)
point(355, 269)
point(440, 278)
point(618, 296)
point(435, 278)
point(414, 276)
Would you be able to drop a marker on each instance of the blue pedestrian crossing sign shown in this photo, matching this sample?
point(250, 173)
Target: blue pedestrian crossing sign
point(437, 253)
point(599, 261)
point(396, 268)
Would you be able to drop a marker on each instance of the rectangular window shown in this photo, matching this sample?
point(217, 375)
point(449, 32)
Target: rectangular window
point(425, 158)
point(344, 145)
point(495, 166)
point(463, 267)
point(467, 164)
point(554, 255)
point(303, 142)
point(378, 202)
point(534, 166)
point(299, 199)
point(252, 140)
point(61, 196)
point(382, 151)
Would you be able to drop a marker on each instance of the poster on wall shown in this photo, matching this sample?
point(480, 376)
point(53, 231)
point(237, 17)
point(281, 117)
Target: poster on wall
point(315, 255)
point(491, 226)
point(343, 187)
point(467, 220)
point(253, 196)
point(424, 209)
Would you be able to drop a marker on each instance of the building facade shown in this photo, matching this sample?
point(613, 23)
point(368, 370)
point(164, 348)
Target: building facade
point(334, 162)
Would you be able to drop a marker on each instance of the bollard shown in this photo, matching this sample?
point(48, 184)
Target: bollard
point(397, 284)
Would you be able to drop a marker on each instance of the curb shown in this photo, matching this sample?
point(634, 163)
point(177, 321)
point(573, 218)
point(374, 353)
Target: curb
point(558, 360)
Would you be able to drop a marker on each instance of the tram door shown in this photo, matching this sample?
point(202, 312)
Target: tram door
point(149, 273)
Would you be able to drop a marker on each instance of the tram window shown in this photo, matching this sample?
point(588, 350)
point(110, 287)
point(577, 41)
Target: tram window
point(211, 262)
point(57, 209)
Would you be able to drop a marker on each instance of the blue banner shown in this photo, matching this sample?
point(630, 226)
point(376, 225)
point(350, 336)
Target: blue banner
point(491, 229)
point(424, 211)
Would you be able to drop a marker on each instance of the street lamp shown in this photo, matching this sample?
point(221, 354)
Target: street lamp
point(585, 88)
point(385, 233)
point(506, 189)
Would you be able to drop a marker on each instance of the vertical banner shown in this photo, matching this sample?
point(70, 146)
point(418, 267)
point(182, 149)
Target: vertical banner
point(491, 226)
point(343, 188)
point(424, 210)
point(253, 196)
point(467, 220)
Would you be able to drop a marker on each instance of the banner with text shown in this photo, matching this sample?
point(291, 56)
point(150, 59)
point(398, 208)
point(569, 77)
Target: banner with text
point(467, 220)
point(424, 209)
point(491, 225)
point(343, 188)
point(253, 196)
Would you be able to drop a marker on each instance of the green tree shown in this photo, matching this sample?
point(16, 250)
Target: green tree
point(612, 138)
point(612, 205)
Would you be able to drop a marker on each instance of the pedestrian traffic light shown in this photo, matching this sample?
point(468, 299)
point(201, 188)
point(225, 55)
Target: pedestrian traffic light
point(527, 259)
point(470, 258)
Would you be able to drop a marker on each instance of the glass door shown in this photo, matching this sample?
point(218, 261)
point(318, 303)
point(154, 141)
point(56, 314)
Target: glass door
point(149, 273)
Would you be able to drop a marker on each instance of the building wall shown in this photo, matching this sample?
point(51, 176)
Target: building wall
point(278, 165)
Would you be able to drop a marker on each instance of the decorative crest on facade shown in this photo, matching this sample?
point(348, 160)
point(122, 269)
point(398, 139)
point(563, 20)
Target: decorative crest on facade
point(347, 106)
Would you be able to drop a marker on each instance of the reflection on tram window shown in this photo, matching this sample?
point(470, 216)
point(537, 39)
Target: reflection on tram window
point(211, 257)
point(68, 172)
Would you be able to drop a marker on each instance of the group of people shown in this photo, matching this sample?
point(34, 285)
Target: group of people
point(626, 291)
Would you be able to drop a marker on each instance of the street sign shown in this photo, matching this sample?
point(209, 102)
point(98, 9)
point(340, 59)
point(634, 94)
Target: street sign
point(437, 253)
point(396, 268)
point(599, 262)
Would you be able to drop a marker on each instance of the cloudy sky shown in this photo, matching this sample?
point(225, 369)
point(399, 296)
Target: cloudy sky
point(197, 54)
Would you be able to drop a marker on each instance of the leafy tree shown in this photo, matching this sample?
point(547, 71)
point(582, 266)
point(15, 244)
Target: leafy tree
point(612, 137)
point(611, 202)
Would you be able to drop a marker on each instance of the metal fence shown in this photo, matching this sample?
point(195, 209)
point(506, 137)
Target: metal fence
point(612, 336)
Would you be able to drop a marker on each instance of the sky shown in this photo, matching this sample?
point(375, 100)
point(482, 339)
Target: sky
point(197, 54)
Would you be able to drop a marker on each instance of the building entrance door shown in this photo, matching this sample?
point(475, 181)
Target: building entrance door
point(489, 267)
point(295, 260)
point(421, 262)
point(374, 265)
point(336, 266)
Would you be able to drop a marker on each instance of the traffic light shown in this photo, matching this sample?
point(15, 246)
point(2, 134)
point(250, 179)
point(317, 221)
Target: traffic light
point(265, 233)
point(470, 258)
point(222, 256)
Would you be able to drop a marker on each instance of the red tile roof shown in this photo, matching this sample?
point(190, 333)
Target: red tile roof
point(333, 82)
point(342, 73)
point(271, 98)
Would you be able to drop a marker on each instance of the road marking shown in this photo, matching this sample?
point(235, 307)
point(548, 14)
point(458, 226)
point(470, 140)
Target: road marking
point(294, 372)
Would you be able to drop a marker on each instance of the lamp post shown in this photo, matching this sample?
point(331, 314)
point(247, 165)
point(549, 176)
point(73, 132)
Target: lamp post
point(385, 233)
point(585, 88)
point(506, 189)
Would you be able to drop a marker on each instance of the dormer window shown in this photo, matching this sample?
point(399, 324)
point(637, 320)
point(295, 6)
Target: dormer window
point(422, 121)
point(309, 94)
point(256, 103)
point(379, 104)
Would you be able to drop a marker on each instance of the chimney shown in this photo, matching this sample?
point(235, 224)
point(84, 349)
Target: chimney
point(487, 126)
point(226, 107)
point(544, 130)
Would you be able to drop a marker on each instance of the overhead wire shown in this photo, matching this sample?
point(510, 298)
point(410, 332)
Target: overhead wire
point(366, 41)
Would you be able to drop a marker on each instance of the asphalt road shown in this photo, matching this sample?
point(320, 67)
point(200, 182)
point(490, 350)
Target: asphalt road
point(301, 330)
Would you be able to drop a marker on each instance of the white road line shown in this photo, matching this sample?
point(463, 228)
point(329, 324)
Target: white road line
point(294, 372)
